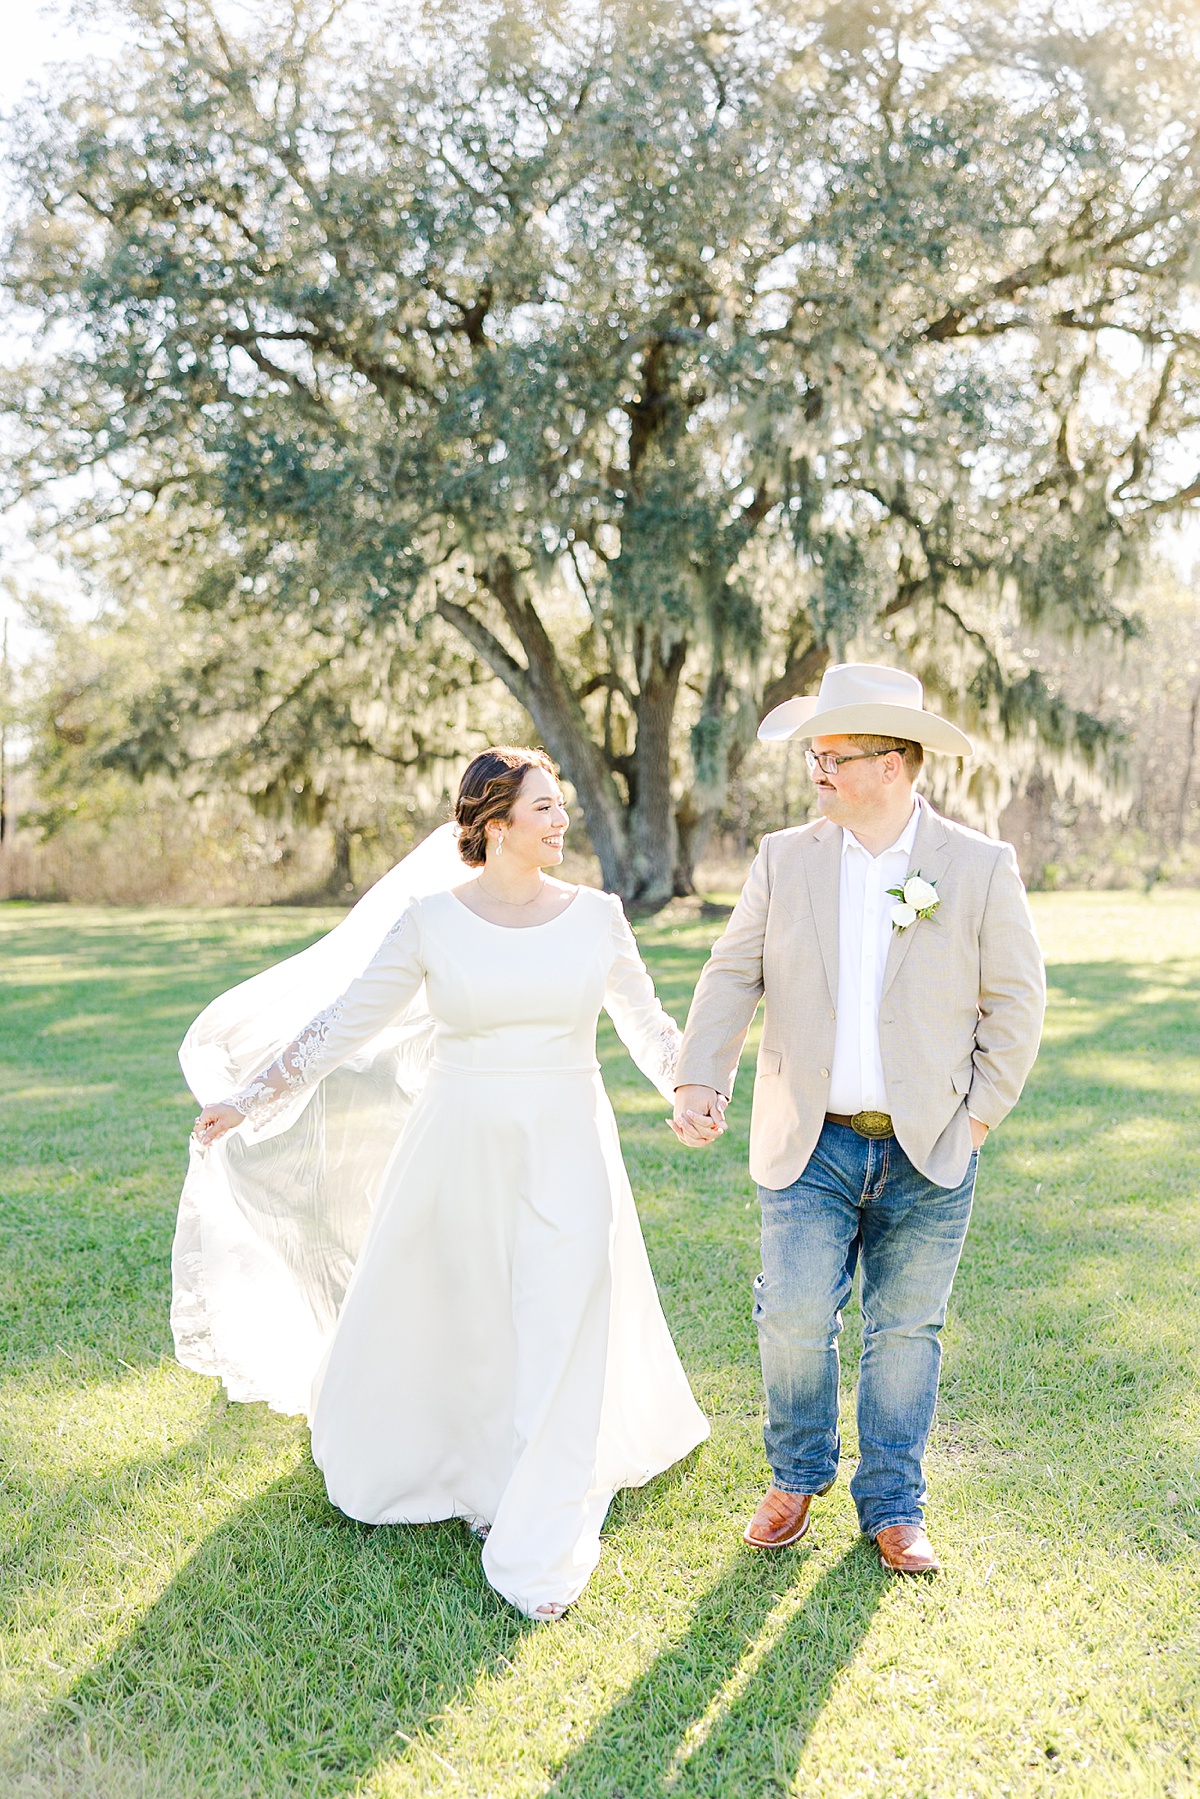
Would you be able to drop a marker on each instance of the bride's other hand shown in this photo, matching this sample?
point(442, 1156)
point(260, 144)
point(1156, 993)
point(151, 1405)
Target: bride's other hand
point(699, 1115)
point(213, 1122)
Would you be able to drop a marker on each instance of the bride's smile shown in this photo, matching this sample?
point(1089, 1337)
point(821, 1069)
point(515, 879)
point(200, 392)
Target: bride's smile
point(532, 835)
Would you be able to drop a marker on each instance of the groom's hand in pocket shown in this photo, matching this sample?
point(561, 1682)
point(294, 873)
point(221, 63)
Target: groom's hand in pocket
point(699, 1115)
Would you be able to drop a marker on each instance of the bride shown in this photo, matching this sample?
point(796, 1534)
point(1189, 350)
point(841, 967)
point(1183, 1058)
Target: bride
point(418, 1208)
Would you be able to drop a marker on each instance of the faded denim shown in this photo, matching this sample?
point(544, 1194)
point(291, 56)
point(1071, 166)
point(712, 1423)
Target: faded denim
point(857, 1199)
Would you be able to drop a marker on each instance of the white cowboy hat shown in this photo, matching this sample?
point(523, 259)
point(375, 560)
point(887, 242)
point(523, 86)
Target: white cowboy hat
point(865, 697)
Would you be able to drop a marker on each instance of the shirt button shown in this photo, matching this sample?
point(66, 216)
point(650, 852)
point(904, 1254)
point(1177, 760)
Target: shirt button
point(824, 1074)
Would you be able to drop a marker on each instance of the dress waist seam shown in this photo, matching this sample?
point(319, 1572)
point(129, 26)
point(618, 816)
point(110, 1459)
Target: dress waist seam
point(438, 1067)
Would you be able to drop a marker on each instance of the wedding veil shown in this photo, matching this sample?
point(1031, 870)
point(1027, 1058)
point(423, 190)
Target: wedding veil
point(271, 1219)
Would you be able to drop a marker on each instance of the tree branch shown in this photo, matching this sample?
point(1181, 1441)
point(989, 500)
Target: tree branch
point(614, 682)
point(1052, 265)
point(1182, 498)
point(799, 673)
point(489, 647)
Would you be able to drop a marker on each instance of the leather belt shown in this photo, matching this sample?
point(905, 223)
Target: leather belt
point(866, 1124)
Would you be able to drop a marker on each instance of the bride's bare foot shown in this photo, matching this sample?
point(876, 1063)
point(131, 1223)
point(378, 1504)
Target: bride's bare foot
point(550, 1612)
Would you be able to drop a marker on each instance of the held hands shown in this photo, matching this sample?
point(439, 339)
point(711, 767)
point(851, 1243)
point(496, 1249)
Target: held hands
point(213, 1122)
point(699, 1115)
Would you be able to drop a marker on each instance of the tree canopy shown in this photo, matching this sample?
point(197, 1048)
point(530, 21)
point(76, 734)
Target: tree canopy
point(661, 350)
point(308, 723)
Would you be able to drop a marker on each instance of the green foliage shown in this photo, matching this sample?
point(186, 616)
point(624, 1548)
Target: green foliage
point(557, 320)
point(186, 1617)
point(308, 717)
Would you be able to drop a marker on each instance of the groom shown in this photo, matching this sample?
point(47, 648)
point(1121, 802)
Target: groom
point(900, 1023)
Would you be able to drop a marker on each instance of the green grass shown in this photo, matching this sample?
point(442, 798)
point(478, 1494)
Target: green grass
point(184, 1614)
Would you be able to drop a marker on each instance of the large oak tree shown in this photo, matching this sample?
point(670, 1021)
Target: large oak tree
point(661, 349)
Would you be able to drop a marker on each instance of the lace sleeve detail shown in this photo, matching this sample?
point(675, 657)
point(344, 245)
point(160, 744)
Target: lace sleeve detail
point(275, 1088)
point(311, 1044)
point(260, 1098)
point(662, 1058)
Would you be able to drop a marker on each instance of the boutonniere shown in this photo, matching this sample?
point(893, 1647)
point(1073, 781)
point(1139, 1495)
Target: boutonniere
point(916, 899)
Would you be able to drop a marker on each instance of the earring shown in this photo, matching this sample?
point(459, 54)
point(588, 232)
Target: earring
point(499, 843)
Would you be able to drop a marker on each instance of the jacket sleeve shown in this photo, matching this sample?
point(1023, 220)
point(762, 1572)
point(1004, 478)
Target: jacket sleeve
point(729, 989)
point(1012, 995)
point(375, 999)
point(648, 1032)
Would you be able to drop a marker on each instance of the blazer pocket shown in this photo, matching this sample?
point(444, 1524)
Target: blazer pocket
point(962, 1077)
point(770, 1061)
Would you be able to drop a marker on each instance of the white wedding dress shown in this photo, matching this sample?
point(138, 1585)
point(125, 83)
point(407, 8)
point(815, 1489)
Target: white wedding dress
point(500, 1354)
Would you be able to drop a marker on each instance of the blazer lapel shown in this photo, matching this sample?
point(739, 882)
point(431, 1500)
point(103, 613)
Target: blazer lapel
point(823, 870)
point(930, 854)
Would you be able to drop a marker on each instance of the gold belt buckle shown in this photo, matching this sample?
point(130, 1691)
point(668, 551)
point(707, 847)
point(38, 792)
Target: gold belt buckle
point(872, 1124)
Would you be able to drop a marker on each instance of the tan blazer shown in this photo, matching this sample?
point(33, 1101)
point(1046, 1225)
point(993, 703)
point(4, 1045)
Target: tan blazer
point(964, 993)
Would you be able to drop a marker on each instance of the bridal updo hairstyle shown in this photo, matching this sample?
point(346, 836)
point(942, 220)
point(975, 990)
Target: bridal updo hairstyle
point(488, 790)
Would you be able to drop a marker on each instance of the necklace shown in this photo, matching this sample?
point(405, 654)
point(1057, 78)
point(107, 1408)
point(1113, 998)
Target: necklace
point(497, 901)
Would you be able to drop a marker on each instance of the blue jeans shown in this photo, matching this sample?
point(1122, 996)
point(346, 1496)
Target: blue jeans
point(857, 1198)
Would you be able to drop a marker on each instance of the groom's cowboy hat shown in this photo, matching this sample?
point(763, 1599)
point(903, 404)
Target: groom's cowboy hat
point(867, 698)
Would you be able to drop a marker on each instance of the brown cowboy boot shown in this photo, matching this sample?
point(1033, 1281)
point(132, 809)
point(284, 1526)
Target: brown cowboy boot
point(781, 1518)
point(905, 1549)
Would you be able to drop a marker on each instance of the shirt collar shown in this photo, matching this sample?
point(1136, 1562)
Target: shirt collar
point(903, 843)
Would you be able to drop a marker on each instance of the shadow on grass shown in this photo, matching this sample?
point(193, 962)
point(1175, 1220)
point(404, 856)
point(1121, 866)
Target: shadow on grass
point(717, 1713)
point(1132, 1008)
point(292, 1652)
point(1075, 1306)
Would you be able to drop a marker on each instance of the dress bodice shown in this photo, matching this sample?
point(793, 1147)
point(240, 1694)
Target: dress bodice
point(502, 1000)
point(509, 1001)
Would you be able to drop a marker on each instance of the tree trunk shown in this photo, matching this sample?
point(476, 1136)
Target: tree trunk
point(692, 831)
point(715, 753)
point(1189, 758)
point(542, 687)
point(341, 879)
point(696, 818)
point(698, 812)
point(647, 849)
point(650, 872)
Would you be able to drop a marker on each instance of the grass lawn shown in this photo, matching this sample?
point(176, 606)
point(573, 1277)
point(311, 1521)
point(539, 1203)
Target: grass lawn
point(185, 1615)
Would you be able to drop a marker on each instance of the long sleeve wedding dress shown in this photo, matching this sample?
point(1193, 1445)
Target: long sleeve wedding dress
point(500, 1353)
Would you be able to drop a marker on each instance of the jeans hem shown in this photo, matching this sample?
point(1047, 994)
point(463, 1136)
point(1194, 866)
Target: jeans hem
point(873, 1530)
point(816, 1491)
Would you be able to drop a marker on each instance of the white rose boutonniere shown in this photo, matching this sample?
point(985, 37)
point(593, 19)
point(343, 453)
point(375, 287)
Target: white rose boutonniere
point(916, 899)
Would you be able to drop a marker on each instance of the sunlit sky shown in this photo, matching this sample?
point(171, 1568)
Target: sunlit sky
point(35, 39)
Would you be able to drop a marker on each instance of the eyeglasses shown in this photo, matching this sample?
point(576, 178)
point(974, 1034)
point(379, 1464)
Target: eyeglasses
point(829, 764)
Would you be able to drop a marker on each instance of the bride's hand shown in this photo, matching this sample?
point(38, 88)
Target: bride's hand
point(213, 1122)
point(699, 1115)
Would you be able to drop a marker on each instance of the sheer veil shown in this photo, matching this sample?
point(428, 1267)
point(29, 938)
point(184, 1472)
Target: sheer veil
point(271, 1219)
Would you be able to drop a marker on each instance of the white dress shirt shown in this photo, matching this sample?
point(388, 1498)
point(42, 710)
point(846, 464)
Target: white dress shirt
point(856, 1082)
